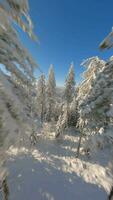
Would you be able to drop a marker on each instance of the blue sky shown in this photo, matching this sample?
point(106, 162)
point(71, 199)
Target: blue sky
point(69, 30)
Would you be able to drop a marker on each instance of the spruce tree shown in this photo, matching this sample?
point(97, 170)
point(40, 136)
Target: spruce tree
point(41, 101)
point(50, 95)
point(17, 65)
point(70, 85)
point(67, 114)
point(69, 91)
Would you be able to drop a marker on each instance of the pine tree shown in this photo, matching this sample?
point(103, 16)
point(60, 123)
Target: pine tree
point(108, 43)
point(68, 115)
point(51, 95)
point(94, 67)
point(41, 97)
point(17, 65)
point(69, 92)
point(70, 85)
point(73, 111)
point(95, 107)
point(62, 123)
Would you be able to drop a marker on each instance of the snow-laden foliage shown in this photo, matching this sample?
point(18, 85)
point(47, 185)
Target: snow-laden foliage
point(93, 67)
point(41, 95)
point(16, 67)
point(62, 123)
point(70, 85)
point(73, 111)
point(58, 110)
point(50, 95)
point(96, 99)
point(70, 95)
point(16, 10)
point(68, 114)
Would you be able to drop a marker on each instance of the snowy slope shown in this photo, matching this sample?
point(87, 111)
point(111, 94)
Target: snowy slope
point(51, 171)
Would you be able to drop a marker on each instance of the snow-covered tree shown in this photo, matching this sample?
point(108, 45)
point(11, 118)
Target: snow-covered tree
point(107, 43)
point(16, 64)
point(62, 123)
point(70, 85)
point(73, 111)
point(58, 108)
point(95, 108)
point(69, 93)
point(68, 114)
point(41, 87)
point(50, 95)
point(93, 67)
point(16, 10)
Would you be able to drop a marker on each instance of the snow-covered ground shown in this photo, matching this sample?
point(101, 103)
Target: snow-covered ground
point(51, 171)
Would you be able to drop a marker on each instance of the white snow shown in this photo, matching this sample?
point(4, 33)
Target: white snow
point(51, 171)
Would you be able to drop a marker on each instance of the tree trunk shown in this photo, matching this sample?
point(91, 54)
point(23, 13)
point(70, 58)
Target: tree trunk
point(110, 197)
point(79, 144)
point(5, 190)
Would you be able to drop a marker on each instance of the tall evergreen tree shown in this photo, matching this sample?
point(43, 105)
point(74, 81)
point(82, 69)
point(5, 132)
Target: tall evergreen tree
point(69, 92)
point(69, 105)
point(95, 102)
point(50, 95)
point(16, 87)
point(70, 85)
point(41, 97)
point(94, 68)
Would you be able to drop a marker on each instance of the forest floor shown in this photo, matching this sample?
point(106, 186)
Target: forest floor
point(51, 171)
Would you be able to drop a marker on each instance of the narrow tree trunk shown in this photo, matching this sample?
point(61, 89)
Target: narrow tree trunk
point(58, 134)
point(111, 194)
point(67, 113)
point(42, 115)
point(79, 144)
point(5, 190)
